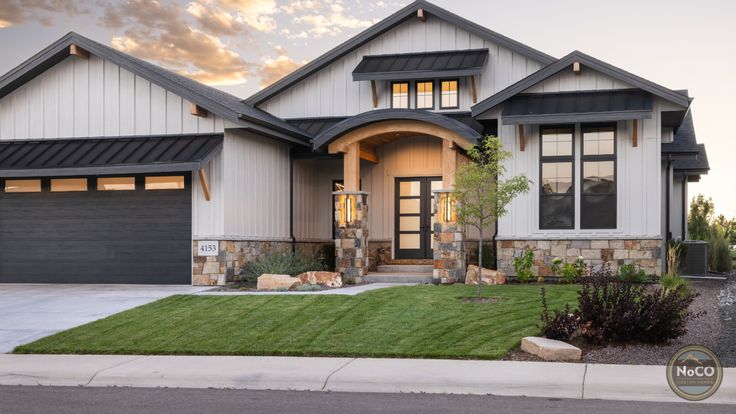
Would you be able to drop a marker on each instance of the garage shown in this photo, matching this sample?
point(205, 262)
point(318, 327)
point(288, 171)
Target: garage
point(99, 210)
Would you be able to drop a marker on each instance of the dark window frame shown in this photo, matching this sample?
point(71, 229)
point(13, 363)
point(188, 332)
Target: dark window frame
point(416, 93)
point(557, 159)
point(594, 158)
point(408, 94)
point(458, 93)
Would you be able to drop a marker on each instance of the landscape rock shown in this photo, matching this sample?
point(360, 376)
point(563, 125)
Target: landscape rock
point(550, 349)
point(268, 281)
point(490, 277)
point(327, 279)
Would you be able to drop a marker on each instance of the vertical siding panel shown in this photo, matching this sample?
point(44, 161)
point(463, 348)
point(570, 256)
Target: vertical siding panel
point(325, 87)
point(81, 97)
point(339, 95)
point(142, 106)
point(36, 106)
point(20, 108)
point(417, 35)
point(127, 103)
point(96, 96)
point(158, 109)
point(462, 39)
point(432, 34)
point(190, 122)
point(66, 98)
point(173, 113)
point(6, 119)
point(206, 125)
point(50, 81)
point(112, 99)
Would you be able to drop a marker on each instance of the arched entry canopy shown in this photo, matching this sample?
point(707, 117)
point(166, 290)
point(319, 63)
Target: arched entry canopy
point(395, 123)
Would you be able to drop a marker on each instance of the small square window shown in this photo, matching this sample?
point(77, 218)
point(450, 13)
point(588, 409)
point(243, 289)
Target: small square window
point(425, 95)
point(22, 186)
point(400, 95)
point(63, 185)
point(449, 94)
point(116, 184)
point(165, 183)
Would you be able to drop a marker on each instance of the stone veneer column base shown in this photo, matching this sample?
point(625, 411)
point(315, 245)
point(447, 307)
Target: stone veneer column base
point(645, 253)
point(230, 259)
point(449, 247)
point(351, 238)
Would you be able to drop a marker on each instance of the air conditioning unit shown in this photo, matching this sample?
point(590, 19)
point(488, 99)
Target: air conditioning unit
point(696, 258)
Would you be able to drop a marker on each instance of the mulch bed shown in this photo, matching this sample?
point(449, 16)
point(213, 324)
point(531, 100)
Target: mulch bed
point(713, 330)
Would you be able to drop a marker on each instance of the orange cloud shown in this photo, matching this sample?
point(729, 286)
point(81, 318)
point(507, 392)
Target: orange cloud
point(275, 69)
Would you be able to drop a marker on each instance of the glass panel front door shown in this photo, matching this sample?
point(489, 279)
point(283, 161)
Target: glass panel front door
point(414, 218)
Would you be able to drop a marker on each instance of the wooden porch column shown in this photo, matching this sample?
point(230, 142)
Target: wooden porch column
point(449, 164)
point(351, 167)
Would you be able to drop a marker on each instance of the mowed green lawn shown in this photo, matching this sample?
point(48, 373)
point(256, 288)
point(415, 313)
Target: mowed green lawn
point(412, 321)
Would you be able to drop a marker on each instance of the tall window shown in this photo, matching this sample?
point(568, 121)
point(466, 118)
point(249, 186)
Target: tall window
point(425, 95)
point(400, 95)
point(598, 198)
point(557, 184)
point(449, 94)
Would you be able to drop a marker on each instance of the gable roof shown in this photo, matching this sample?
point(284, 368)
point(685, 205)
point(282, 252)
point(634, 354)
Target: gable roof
point(684, 141)
point(590, 62)
point(214, 100)
point(383, 26)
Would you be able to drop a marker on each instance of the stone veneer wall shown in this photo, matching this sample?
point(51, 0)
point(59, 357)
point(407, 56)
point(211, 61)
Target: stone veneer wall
point(233, 255)
point(449, 246)
point(645, 253)
point(351, 239)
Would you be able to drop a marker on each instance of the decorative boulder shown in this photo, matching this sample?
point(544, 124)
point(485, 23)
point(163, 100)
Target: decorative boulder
point(328, 279)
point(268, 281)
point(550, 349)
point(490, 277)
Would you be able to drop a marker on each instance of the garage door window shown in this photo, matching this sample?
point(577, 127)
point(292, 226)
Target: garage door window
point(165, 183)
point(59, 185)
point(22, 186)
point(116, 184)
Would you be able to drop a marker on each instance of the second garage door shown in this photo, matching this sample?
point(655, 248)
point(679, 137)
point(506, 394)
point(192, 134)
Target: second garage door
point(134, 229)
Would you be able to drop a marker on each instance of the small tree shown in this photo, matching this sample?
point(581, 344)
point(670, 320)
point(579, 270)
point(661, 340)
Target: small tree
point(700, 218)
point(483, 191)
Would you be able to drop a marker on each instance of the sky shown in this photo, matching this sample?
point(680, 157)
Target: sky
point(242, 46)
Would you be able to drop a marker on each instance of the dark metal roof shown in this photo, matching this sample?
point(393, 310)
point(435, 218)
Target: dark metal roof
point(684, 142)
point(120, 155)
point(421, 65)
point(586, 61)
point(214, 100)
point(357, 121)
point(408, 12)
point(697, 165)
point(594, 106)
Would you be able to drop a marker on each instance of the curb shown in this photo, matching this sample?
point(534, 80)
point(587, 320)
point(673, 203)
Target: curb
point(503, 378)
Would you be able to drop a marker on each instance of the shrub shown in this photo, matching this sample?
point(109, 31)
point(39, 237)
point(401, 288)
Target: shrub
point(570, 272)
point(561, 325)
point(612, 309)
point(719, 254)
point(489, 256)
point(281, 263)
point(631, 273)
point(327, 256)
point(671, 282)
point(523, 265)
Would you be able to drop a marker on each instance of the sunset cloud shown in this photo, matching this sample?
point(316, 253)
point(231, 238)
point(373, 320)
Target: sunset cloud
point(15, 12)
point(274, 69)
point(333, 21)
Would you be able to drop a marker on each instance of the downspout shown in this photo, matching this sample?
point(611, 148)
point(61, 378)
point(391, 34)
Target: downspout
point(291, 200)
point(684, 206)
point(668, 234)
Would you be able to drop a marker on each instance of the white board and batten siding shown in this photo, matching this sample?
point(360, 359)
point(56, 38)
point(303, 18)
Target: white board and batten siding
point(332, 91)
point(96, 98)
point(638, 181)
point(568, 81)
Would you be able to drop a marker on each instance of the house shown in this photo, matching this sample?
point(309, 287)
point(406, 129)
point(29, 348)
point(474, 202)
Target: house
point(114, 170)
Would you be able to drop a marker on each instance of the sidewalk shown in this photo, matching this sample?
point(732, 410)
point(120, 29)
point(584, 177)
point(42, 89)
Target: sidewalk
point(509, 378)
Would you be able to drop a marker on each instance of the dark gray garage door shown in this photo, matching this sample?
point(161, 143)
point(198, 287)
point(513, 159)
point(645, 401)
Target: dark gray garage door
point(94, 236)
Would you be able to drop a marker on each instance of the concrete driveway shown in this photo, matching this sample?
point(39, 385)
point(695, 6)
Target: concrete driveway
point(30, 312)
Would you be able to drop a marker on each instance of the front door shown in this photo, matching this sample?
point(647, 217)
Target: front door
point(414, 218)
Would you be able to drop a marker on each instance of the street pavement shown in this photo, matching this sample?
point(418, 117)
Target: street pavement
point(74, 400)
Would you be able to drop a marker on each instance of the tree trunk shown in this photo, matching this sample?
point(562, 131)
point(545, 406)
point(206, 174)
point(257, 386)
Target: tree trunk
point(480, 256)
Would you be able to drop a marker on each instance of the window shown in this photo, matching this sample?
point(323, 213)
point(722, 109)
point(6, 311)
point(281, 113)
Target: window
point(449, 94)
point(22, 186)
point(598, 196)
point(165, 183)
point(116, 184)
point(62, 185)
point(557, 183)
point(400, 95)
point(425, 95)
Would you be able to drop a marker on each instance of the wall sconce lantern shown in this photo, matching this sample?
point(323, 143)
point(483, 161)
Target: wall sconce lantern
point(447, 208)
point(348, 210)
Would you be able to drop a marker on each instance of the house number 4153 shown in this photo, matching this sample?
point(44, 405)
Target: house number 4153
point(207, 248)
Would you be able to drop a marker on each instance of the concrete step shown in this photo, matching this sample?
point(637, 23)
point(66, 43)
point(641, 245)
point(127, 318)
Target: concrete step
point(402, 277)
point(413, 268)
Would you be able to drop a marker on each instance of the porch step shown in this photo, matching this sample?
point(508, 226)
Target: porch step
point(398, 277)
point(405, 268)
point(409, 262)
